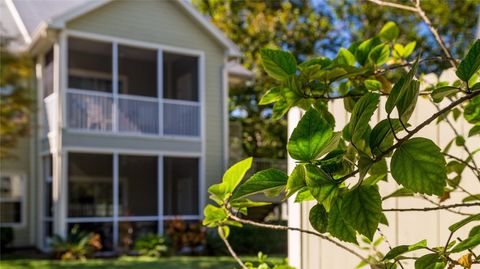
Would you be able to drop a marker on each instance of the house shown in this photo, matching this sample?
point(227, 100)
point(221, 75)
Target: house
point(131, 124)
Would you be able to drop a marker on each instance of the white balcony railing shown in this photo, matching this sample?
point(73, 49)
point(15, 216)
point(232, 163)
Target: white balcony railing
point(102, 112)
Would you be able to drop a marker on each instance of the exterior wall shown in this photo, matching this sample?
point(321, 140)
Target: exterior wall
point(159, 22)
point(405, 227)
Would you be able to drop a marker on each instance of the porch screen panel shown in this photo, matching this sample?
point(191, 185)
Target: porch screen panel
point(138, 183)
point(180, 77)
point(90, 185)
point(89, 65)
point(181, 176)
point(137, 71)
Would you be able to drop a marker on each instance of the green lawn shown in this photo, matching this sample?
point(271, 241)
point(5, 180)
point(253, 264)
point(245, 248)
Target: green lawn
point(126, 263)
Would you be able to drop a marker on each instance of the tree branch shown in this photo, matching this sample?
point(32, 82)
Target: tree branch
point(394, 5)
point(230, 249)
point(432, 208)
point(286, 228)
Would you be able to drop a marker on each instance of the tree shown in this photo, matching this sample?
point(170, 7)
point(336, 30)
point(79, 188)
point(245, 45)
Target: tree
point(293, 25)
point(361, 75)
point(15, 98)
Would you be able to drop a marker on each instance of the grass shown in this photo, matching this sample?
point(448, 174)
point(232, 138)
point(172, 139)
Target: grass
point(127, 263)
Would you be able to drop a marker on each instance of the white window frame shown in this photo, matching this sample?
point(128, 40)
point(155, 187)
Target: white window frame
point(160, 48)
point(23, 207)
point(160, 218)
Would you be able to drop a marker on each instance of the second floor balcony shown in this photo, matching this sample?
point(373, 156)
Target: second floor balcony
point(118, 89)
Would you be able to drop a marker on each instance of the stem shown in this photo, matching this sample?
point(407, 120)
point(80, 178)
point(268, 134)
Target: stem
point(230, 249)
point(286, 228)
point(448, 209)
point(433, 208)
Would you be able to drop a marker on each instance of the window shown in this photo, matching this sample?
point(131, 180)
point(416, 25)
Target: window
point(90, 185)
point(11, 199)
point(138, 183)
point(180, 77)
point(89, 65)
point(137, 71)
point(181, 186)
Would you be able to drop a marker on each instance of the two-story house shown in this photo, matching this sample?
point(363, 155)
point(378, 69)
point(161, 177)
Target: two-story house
point(132, 122)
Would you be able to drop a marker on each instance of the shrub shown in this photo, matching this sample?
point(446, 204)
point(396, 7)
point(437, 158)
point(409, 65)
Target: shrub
point(78, 245)
point(186, 237)
point(151, 245)
point(6, 237)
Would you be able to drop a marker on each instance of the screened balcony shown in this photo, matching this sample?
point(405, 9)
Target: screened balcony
point(115, 88)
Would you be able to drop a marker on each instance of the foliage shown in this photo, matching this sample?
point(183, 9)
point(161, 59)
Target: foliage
point(15, 98)
point(341, 171)
point(78, 245)
point(183, 234)
point(264, 263)
point(6, 237)
point(152, 245)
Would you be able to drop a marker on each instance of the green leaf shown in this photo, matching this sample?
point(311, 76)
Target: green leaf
point(296, 180)
point(408, 101)
point(469, 243)
point(399, 89)
point(245, 203)
point(278, 64)
point(454, 227)
point(272, 95)
point(364, 164)
point(321, 185)
point(310, 137)
point(419, 166)
point(223, 231)
point(214, 216)
point(279, 109)
point(441, 92)
point(235, 174)
point(472, 111)
point(470, 198)
point(372, 84)
point(362, 209)
point(381, 137)
point(402, 192)
point(399, 250)
point(304, 195)
point(475, 230)
point(362, 113)
point(318, 217)
point(379, 55)
point(430, 261)
point(345, 57)
point(363, 50)
point(262, 181)
point(470, 64)
point(474, 131)
point(337, 226)
point(389, 31)
point(409, 49)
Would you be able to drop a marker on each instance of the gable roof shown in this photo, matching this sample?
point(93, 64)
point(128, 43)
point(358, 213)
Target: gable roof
point(32, 16)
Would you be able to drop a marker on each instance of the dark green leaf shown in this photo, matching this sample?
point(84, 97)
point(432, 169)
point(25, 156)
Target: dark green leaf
point(362, 51)
point(262, 181)
point(430, 261)
point(475, 230)
point(361, 115)
point(318, 217)
point(471, 63)
point(278, 64)
point(310, 137)
point(470, 198)
point(403, 192)
point(381, 137)
point(400, 88)
point(419, 165)
point(337, 226)
point(407, 102)
point(441, 92)
point(362, 209)
point(279, 109)
point(244, 203)
point(454, 227)
point(379, 55)
point(321, 185)
point(389, 31)
point(399, 250)
point(296, 180)
point(469, 243)
point(472, 111)
point(474, 131)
